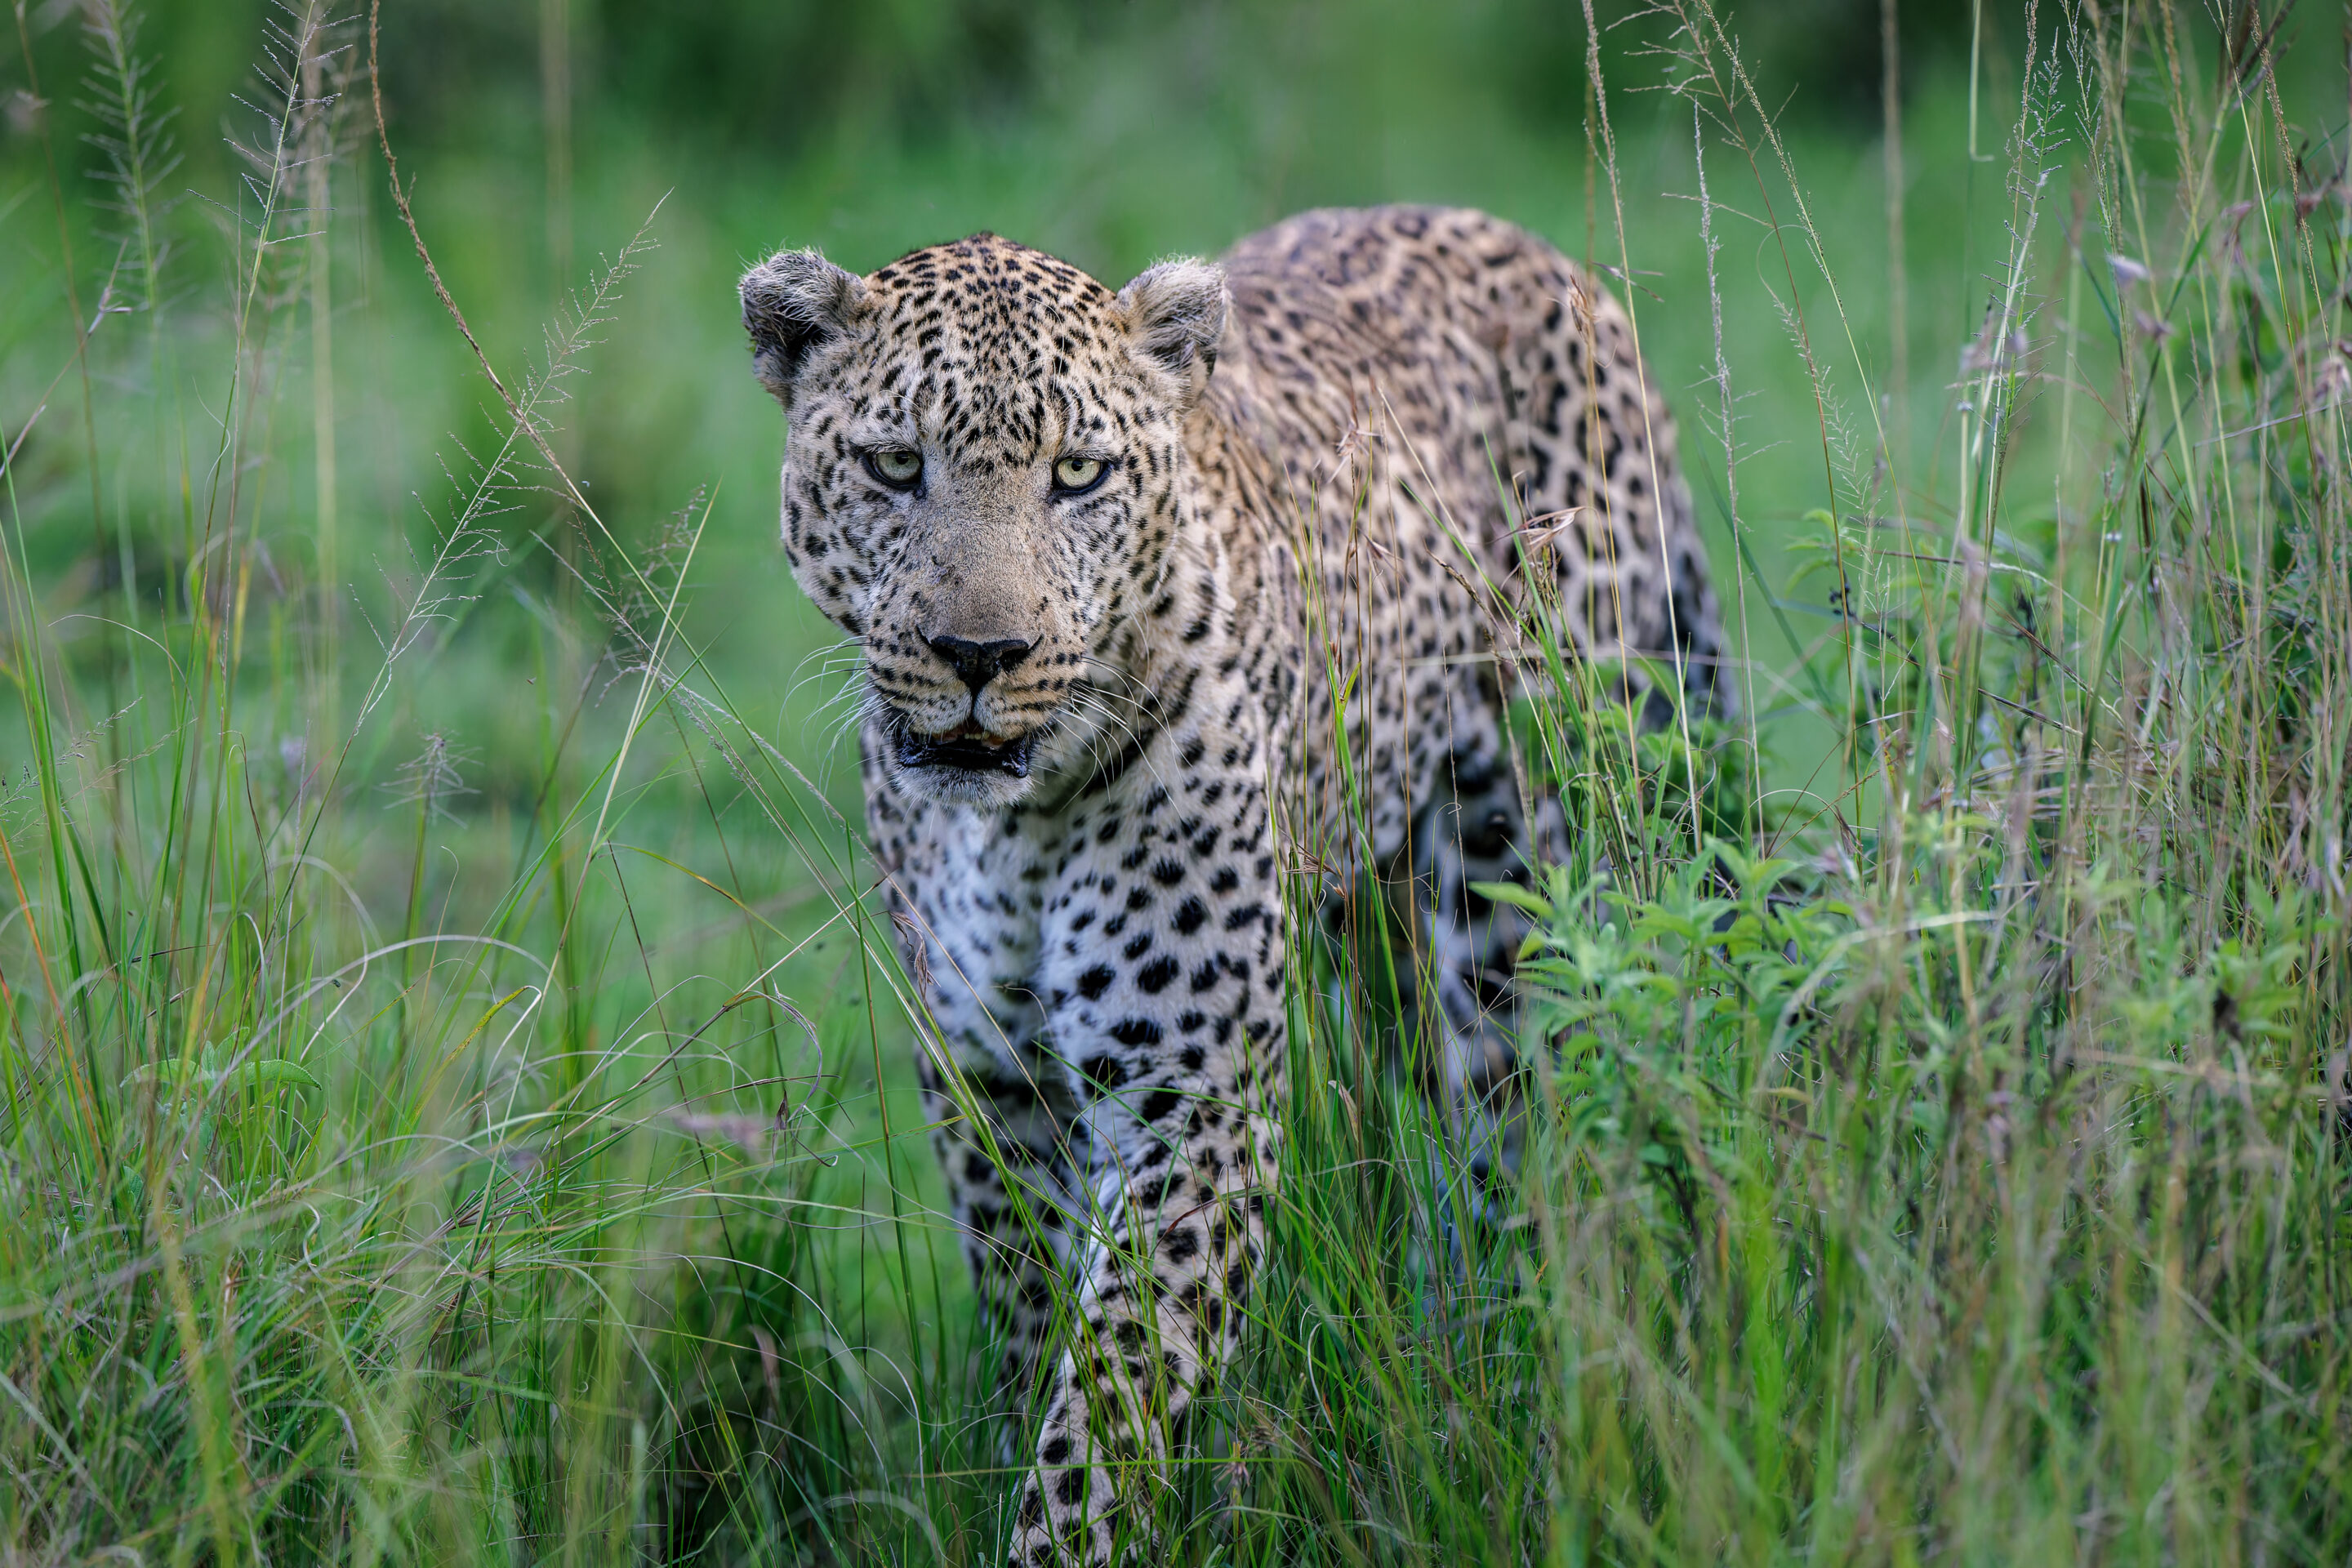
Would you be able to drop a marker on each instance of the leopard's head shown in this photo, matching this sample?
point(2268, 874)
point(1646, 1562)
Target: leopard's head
point(982, 480)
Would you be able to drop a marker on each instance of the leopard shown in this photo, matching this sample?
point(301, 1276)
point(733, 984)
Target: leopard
point(1183, 606)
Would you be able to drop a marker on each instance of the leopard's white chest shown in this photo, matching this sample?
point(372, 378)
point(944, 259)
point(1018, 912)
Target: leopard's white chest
point(980, 909)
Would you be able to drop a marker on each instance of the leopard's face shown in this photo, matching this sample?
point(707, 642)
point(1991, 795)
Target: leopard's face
point(982, 483)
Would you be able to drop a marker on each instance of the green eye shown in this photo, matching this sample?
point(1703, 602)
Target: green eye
point(1073, 475)
point(897, 467)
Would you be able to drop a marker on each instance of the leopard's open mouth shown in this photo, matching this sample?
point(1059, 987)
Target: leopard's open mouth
point(967, 748)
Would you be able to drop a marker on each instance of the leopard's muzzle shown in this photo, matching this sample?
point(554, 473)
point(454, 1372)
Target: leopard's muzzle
point(976, 753)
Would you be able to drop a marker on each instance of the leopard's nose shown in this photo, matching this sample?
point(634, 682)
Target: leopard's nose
point(978, 663)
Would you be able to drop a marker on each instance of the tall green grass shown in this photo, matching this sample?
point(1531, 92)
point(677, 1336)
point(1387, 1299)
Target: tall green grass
point(495, 1145)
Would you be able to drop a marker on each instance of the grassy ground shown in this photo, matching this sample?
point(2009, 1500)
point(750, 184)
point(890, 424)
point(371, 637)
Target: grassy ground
point(456, 1101)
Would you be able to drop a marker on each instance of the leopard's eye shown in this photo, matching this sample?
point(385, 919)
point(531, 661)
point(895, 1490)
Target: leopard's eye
point(897, 467)
point(1075, 476)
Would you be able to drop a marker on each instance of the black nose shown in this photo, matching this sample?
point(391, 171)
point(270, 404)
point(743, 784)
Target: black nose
point(978, 663)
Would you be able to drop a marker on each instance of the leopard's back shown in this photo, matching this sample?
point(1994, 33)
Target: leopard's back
point(1421, 401)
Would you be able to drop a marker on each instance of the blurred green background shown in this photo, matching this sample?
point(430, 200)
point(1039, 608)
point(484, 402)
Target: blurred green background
point(540, 136)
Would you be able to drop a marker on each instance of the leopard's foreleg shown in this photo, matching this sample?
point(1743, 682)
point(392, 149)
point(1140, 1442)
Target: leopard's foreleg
point(1163, 972)
point(1003, 1133)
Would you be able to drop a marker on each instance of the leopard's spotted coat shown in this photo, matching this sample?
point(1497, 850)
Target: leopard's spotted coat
point(1325, 466)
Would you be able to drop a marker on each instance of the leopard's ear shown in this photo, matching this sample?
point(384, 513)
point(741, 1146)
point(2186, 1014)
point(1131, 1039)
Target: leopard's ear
point(792, 302)
point(1176, 313)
